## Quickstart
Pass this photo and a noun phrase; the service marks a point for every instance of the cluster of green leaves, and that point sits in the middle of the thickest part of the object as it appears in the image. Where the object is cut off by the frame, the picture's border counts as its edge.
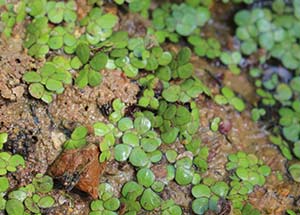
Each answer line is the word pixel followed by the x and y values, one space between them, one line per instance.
pixel 239 1
pixel 273 90
pixel 175 121
pixel 134 54
pixel 8 162
pixel 181 68
pixel 37 36
pixel 210 48
pixel 99 26
pixel 78 138
pixel 229 97
pixel 276 31
pixel 200 154
pixel 137 6
pixel 88 76
pixel 143 194
pixel 49 79
pixel 14 13
pixel 214 125
pixel 290 121
pixel 62 38
pixel 249 171
pixel 107 203
pixel 257 113
pixel 113 130
pixel 291 212
pixel 207 195
pixel 169 207
pixel 40 38
pixel 294 170
pixel 283 146
pixel 139 143
pixel 231 59
pixel 30 199
pixel 184 171
pixel 173 20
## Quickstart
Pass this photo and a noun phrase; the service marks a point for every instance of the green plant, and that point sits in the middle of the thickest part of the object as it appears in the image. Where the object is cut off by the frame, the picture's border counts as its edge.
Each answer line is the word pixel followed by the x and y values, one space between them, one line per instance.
pixel 138 144
pixel 207 195
pixel 273 30
pixel 88 76
pixel 169 207
pixel 249 171
pixel 13 14
pixel 3 139
pixel 98 25
pixel 148 99
pixel 78 138
pixel 210 48
pixel 239 1
pixel 32 198
pixel 257 113
pixel 295 171
pixel 10 163
pixel 290 121
pixel 112 130
pixel 106 204
pixel 37 35
pixel 134 196
pixel 183 18
pixel 214 125
pixel 49 80
pixel 231 59
pixel 229 97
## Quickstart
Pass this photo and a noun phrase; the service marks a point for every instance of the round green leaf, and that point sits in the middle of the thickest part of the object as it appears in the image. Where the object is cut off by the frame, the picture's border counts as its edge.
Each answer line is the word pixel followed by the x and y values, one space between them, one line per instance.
pixel 200 206
pixel 79 133
pixel 32 77
pixel 36 90
pixel 295 171
pixel 53 85
pixel 125 124
pixel 150 200
pixel 112 204
pixel 99 61
pixel 201 190
pixel 46 202
pixel 4 184
pixel 183 176
pixel 142 124
pixel 83 52
pixel 122 152
pixel 14 207
pixel 145 177
pixel 138 157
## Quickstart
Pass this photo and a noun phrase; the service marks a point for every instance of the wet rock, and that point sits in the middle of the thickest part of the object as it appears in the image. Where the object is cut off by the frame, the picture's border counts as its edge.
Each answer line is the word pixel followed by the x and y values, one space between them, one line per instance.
pixel 79 168
pixel 13 64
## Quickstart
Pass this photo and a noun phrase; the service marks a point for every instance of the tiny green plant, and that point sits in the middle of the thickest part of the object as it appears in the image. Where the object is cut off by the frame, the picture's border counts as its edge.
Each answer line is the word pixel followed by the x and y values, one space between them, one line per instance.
pixel 49 80
pixel 78 138
pixel 107 203
pixel 229 97
pixel 249 172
